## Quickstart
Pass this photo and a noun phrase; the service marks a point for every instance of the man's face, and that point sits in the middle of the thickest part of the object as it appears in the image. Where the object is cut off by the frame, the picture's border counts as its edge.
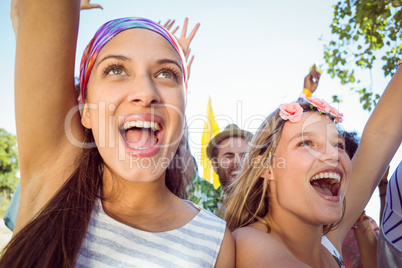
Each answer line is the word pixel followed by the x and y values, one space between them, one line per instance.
pixel 229 158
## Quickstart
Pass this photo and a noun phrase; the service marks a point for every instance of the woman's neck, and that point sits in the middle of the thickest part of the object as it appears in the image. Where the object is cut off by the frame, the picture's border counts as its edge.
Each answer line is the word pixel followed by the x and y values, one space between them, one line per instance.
pixel 301 239
pixel 148 206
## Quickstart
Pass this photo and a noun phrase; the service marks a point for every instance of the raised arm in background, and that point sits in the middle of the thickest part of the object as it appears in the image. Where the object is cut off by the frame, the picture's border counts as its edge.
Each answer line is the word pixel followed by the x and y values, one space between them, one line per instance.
pixel 310 84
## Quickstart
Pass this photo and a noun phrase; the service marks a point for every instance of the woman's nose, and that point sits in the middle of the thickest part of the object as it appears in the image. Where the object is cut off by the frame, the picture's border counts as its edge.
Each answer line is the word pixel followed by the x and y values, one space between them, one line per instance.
pixel 143 91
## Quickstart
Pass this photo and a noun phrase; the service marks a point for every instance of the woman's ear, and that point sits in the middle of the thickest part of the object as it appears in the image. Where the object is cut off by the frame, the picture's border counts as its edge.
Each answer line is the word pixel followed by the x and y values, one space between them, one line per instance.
pixel 86 118
pixel 266 169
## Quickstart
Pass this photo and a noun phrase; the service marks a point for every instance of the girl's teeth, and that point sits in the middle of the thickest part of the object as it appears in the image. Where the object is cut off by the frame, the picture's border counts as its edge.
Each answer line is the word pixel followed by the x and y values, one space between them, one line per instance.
pixel 334 176
pixel 140 124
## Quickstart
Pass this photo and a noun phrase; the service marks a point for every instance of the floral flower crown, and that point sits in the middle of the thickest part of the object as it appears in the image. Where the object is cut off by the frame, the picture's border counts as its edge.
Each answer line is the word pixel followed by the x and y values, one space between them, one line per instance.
pixel 293 111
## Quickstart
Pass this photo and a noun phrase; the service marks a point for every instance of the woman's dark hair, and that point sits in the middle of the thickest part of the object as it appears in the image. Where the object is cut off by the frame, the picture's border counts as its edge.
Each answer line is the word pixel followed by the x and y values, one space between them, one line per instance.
pixel 54 237
pixel 351 142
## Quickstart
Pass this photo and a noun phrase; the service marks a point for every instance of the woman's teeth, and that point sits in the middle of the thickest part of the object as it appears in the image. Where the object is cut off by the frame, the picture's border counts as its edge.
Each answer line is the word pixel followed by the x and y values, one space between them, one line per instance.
pixel 142 124
pixel 331 175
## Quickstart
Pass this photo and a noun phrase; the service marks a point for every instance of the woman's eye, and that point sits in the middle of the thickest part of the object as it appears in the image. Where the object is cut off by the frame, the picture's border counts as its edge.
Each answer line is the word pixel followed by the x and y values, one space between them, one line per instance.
pixel 165 75
pixel 114 70
pixel 168 73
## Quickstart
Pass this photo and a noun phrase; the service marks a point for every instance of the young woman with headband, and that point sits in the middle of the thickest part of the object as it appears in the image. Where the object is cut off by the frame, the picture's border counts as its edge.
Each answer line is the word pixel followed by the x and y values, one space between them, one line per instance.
pixel 105 188
pixel 299 193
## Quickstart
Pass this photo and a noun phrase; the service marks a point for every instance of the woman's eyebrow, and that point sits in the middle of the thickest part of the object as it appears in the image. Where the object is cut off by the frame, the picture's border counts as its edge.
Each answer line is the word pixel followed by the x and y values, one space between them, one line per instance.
pixel 118 57
pixel 164 61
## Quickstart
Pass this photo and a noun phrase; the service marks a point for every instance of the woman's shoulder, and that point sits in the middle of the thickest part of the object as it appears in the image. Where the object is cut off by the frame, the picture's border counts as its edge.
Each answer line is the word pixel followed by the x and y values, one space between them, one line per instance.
pixel 212 226
pixel 255 247
pixel 205 217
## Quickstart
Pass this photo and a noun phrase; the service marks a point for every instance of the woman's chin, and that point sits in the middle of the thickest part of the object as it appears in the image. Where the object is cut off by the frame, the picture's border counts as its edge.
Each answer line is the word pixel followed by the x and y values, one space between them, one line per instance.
pixel 139 175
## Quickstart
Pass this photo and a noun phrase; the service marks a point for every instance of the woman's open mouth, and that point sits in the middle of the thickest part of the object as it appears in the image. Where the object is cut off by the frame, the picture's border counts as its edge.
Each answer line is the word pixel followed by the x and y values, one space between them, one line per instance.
pixel 140 134
pixel 141 137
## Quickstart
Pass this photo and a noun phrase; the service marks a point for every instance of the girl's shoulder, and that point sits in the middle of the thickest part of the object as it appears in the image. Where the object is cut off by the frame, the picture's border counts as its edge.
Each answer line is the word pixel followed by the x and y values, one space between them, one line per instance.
pixel 255 247
pixel 254 238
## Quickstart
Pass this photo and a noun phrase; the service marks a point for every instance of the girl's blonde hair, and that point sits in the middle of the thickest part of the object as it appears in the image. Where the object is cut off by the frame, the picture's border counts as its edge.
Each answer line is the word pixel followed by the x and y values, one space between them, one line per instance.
pixel 248 198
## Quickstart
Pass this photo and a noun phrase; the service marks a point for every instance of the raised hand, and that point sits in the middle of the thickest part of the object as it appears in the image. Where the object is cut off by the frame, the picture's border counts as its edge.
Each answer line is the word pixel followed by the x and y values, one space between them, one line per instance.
pixel 184 41
pixel 312 79
pixel 168 25
pixel 86 5
pixel 189 63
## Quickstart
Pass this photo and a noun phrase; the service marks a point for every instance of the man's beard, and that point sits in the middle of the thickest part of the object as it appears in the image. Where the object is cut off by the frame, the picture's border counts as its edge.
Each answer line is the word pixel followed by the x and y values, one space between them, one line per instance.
pixel 225 177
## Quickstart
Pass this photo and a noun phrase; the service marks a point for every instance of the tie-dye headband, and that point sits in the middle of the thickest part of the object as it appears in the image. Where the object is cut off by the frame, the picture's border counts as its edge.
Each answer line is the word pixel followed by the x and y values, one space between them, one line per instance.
pixel 109 30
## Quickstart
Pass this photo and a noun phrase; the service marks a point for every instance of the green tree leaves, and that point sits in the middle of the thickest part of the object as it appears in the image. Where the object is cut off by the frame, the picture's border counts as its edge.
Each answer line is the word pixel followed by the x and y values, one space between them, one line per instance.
pixel 364 29
pixel 8 162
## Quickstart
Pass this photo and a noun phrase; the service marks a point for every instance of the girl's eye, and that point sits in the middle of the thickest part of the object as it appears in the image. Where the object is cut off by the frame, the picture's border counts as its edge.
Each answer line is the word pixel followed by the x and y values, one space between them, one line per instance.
pixel 340 145
pixel 304 143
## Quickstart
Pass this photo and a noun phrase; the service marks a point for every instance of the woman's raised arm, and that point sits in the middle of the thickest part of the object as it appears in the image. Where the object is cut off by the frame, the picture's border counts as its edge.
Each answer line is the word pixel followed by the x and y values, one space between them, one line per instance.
pixel 380 140
pixel 44 94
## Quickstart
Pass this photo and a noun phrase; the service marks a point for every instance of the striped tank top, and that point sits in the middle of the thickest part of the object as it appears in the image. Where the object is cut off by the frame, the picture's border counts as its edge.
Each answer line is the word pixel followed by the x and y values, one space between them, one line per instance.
pixel 109 243
pixel 389 245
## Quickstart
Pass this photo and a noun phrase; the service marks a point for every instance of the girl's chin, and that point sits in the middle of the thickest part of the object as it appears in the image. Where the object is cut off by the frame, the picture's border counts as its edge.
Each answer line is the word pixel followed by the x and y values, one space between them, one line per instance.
pixel 331 218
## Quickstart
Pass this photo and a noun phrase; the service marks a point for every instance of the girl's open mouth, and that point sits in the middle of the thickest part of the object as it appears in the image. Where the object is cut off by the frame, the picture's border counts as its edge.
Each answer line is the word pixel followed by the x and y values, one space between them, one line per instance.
pixel 327 184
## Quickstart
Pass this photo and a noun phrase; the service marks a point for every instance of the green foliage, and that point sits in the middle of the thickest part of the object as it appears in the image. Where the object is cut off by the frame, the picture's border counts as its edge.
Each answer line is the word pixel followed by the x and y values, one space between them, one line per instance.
pixel 4 202
pixel 8 162
pixel 363 29
pixel 335 99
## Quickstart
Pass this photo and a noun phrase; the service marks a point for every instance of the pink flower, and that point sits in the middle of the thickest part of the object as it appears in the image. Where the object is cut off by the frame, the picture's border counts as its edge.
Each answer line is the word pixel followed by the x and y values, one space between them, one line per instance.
pixel 321 105
pixel 291 111
pixel 335 113
pixel 324 107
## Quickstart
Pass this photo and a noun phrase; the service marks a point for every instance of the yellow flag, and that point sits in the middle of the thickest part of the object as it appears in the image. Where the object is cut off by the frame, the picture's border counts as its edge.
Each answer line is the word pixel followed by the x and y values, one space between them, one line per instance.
pixel 210 130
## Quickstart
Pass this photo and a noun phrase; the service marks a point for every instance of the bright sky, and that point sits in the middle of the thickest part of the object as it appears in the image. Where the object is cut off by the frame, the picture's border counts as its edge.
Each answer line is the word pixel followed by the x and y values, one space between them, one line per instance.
pixel 250 56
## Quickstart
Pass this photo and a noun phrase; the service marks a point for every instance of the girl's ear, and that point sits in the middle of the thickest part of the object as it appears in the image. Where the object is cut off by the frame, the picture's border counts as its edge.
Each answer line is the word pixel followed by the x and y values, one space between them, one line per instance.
pixel 86 118
pixel 266 169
